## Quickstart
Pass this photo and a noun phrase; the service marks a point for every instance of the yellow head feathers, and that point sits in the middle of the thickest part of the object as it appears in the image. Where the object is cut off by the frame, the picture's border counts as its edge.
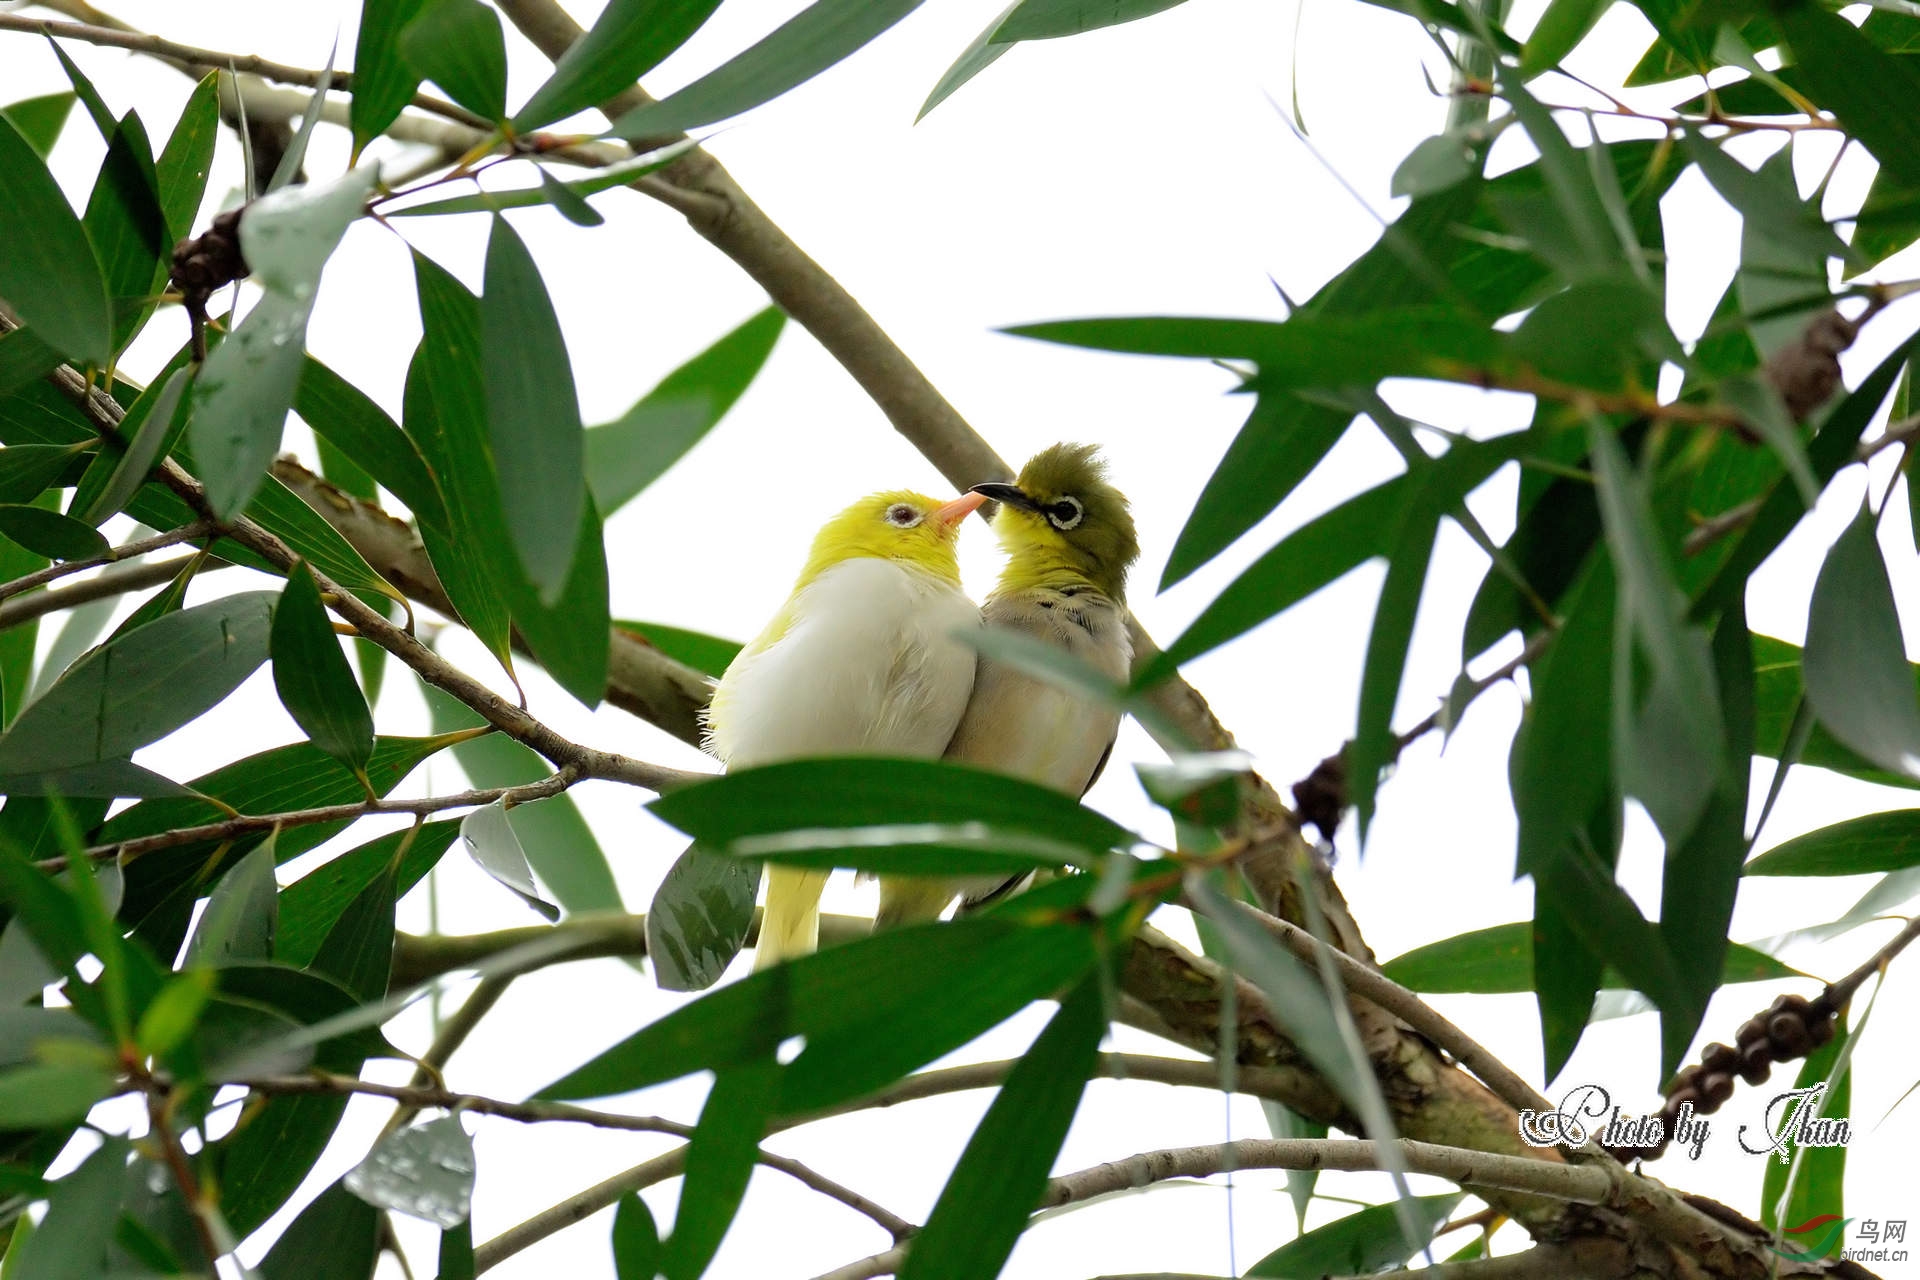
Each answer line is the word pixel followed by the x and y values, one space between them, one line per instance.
pixel 1061 521
pixel 898 525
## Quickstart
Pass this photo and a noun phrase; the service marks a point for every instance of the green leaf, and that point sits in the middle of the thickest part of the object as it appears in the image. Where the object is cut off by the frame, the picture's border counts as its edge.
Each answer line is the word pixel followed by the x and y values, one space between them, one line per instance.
pixel 180 175
pixel 571 637
pixel 290 169
pixel 627 40
pixel 49 273
pixel 1784 247
pixel 1761 200
pixel 1889 219
pixel 1499 959
pixel 153 422
pixel 625 456
pixel 459 46
pixel 709 655
pixel 358 950
pixel 1876 842
pixel 819 36
pixel 311 906
pixel 40 120
pixel 492 202
pixel 50 534
pixel 24 360
pixel 573 208
pixel 1875 96
pixel 1437 163
pixel 1857 676
pixel 241 913
pixel 46 1095
pixel 636 1241
pixel 1598 333
pixel 337 1237
pixel 1562 27
pixel 383 80
pixel 241 398
pixel 1572 229
pixel 1819 1180
pixel 1760 406
pixel 456 1253
pixel 425 1171
pixel 71 1241
pixel 126 226
pixel 980 54
pixel 987 1202
pixel 490 839
pixel 699 918
pixel 855 792
pixel 310 673
pixel 27 469
pixel 558 842
pixel 346 417
pixel 142 686
pixel 720 1158
pixel 1050 19
pixel 869 1010
pixel 533 417
pixel 1357 1244
pixel 174 1013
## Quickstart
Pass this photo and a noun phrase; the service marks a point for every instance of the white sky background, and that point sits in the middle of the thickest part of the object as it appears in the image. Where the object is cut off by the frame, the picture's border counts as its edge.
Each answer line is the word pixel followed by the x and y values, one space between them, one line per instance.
pixel 1137 170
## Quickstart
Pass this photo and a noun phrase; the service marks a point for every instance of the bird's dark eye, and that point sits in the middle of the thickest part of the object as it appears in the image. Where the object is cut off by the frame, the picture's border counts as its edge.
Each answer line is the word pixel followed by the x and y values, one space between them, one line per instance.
pixel 902 516
pixel 1065 514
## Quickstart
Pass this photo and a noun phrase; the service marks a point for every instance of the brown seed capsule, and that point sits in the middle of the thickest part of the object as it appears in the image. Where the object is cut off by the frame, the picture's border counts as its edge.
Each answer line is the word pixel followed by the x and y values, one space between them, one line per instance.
pixel 1756 1061
pixel 1679 1097
pixel 1718 1057
pixel 1788 1033
pixel 1715 1088
pixel 1753 1031
pixel 1821 1029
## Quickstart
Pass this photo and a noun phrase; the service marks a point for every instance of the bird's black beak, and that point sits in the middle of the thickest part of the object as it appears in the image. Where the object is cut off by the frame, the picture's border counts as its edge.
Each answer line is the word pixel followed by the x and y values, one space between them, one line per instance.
pixel 1011 494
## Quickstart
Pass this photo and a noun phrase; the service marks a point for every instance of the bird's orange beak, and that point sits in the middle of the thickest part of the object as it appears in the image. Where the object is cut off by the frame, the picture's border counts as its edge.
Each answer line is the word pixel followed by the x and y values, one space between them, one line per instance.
pixel 959 509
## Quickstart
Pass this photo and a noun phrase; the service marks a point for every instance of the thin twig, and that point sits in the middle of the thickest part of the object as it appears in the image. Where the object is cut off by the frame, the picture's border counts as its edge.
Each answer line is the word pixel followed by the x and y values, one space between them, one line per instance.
pixel 253 824
pixel 125 551
pixel 1838 993
pixel 214 60
pixel 115 581
pixel 453 1033
pixel 175 1158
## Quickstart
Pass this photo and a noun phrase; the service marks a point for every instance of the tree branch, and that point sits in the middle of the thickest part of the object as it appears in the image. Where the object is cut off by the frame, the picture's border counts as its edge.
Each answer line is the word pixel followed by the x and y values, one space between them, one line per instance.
pixel 114 581
pixel 125 551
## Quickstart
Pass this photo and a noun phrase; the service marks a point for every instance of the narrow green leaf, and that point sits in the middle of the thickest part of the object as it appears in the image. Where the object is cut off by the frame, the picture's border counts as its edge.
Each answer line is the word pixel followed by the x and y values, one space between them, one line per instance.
pixel 1762 409
pixel 291 168
pixel 1578 238
pixel 558 843
pixel 24 360
pixel 71 1241
pixel 141 687
pixel 709 655
pixel 1499 960
pixel 456 1253
pixel 625 456
pixel 173 1014
pixel 311 906
pixel 869 1010
pixel 425 1171
pixel 627 40
pixel 573 208
pixel 45 1095
pixel 490 839
pixel 1876 842
pixel 358 950
pixel 819 36
pixel 1439 162
pixel 337 1237
pixel 126 226
pixel 1889 219
pixel 1356 1245
pixel 993 1191
pixel 1780 214
pixel 720 1159
pixel 1784 247
pixel 1562 27
pixel 49 273
pixel 636 1241
pixel 459 46
pixel 241 398
pixel 492 202
pixel 571 637
pixel 40 120
pixel 50 534
pixel 533 416
pixel 155 418
pixel 1598 333
pixel 346 417
pixel 241 913
pixel 27 469
pixel 1856 670
pixel 180 174
pixel 982 52
pixel 383 80
pixel 90 98
pixel 1875 96
pixel 854 792
pixel 310 673
pixel 1819 1180
pixel 699 918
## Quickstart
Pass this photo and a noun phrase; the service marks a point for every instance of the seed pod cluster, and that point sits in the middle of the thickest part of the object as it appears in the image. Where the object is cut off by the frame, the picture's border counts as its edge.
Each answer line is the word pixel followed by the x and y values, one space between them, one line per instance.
pixel 1791 1027
pixel 204 264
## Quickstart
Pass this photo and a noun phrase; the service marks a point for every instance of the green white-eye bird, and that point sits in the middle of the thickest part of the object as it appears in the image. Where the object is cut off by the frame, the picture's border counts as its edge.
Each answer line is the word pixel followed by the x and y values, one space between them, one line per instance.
pixel 1069 540
pixel 862 659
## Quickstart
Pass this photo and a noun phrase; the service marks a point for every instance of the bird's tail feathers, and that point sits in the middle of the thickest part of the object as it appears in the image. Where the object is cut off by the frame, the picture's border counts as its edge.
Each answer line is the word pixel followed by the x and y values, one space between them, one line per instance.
pixel 790 926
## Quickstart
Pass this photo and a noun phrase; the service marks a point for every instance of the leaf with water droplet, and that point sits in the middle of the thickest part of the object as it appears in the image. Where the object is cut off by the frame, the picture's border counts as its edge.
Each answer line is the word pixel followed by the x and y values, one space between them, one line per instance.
pixel 490 839
pixel 699 918
pixel 426 1172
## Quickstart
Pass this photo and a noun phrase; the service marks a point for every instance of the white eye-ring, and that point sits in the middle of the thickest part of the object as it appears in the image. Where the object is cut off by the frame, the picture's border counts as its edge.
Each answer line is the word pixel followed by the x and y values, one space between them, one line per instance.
pixel 1065 514
pixel 902 516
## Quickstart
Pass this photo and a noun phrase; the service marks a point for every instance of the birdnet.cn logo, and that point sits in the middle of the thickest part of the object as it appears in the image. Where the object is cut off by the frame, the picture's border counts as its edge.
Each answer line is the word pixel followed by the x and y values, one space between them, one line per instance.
pixel 1824 1236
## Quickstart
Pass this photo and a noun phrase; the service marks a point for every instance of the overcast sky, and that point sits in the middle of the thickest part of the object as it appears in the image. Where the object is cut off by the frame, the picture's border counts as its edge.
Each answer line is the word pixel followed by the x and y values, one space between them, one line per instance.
pixel 1143 169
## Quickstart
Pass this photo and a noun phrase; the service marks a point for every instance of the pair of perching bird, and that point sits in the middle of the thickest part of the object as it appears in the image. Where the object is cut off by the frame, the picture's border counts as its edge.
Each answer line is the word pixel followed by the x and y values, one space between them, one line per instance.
pixel 864 658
